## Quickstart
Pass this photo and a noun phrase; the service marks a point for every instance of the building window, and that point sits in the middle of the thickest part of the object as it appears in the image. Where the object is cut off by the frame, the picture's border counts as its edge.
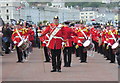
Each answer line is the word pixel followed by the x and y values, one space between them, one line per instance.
pixel 7 4
pixel 82 13
pixel 7 11
pixel 91 16
pixel 86 13
pixel 91 13
pixel 86 17
pixel 82 16
pixel 7 17
pixel 0 11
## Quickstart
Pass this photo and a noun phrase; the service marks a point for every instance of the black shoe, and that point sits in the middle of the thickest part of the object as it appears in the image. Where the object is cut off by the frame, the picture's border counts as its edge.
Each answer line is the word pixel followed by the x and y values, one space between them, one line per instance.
pixel 68 66
pixel 83 62
pixel 59 70
pixel 107 59
pixel 112 62
pixel 53 70
pixel 65 66
pixel 46 61
pixel 19 62
pixel 77 56
pixel 6 52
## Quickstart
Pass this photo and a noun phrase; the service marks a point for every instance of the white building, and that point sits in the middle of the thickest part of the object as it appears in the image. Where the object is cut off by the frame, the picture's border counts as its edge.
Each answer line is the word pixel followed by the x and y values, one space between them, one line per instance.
pixel 39 13
pixel 88 15
pixel 8 11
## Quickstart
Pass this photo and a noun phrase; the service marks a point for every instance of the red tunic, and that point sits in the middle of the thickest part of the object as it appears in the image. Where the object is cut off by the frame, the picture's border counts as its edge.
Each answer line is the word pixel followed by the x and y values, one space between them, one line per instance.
pixel 55 43
pixel 16 38
pixel 111 38
pixel 68 33
pixel 81 37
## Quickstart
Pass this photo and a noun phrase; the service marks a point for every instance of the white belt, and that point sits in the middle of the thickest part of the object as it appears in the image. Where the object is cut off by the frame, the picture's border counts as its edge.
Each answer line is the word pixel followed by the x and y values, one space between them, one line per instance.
pixel 58 37
pixel 16 36
pixel 81 37
pixel 111 38
pixel 46 40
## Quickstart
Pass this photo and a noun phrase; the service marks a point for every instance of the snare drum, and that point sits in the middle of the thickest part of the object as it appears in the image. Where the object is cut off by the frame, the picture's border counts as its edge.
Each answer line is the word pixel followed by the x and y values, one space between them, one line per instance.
pixel 24 45
pixel 115 45
pixel 88 44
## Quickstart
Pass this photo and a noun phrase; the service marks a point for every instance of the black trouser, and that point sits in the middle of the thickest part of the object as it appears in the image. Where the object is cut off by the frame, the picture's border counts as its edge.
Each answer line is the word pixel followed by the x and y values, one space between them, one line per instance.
pixel 46 53
pixel 118 56
pixel 107 52
pixel 73 48
pixel 36 42
pixel 56 58
pixel 77 52
pixel 82 53
pixel 111 54
pixel 100 49
pixel 96 46
pixel 25 54
pixel 19 54
pixel 7 45
pixel 104 50
pixel 67 56
pixel 118 59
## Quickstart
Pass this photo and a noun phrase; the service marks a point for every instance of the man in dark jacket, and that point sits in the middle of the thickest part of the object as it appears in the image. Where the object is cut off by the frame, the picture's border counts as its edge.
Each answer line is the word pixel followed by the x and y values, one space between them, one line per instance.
pixel 1 26
pixel 1 41
pixel 6 38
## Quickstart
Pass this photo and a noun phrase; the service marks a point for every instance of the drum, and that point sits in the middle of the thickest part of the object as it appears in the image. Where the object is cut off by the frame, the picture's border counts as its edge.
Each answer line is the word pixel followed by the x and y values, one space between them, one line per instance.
pixel 88 45
pixel 23 45
pixel 115 45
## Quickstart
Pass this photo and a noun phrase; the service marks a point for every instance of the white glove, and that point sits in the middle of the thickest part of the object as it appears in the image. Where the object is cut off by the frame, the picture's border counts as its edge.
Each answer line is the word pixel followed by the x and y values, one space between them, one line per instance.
pixel 89 38
pixel 109 44
pixel 44 42
pixel 15 42
pixel 63 43
pixel 39 34
pixel 105 42
pixel 79 41
pixel 25 40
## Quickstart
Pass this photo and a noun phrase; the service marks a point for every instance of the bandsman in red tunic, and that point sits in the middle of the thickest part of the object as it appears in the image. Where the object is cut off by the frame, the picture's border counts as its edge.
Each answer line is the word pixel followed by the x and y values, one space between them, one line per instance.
pixel 112 38
pixel 44 39
pixel 83 35
pixel 68 44
pixel 19 35
pixel 55 30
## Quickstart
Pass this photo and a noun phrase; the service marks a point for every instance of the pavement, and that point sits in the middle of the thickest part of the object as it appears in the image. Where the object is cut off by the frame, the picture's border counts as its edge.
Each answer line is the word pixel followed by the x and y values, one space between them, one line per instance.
pixel 97 69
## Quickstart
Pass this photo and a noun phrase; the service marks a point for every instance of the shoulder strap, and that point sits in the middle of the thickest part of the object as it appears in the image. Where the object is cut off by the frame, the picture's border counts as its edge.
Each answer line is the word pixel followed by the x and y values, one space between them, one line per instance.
pixel 18 34
pixel 113 35
pixel 84 34
pixel 53 34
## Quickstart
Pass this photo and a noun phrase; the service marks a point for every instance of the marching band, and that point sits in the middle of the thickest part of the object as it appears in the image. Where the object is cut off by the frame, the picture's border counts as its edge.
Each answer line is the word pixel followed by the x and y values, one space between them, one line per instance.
pixel 68 37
